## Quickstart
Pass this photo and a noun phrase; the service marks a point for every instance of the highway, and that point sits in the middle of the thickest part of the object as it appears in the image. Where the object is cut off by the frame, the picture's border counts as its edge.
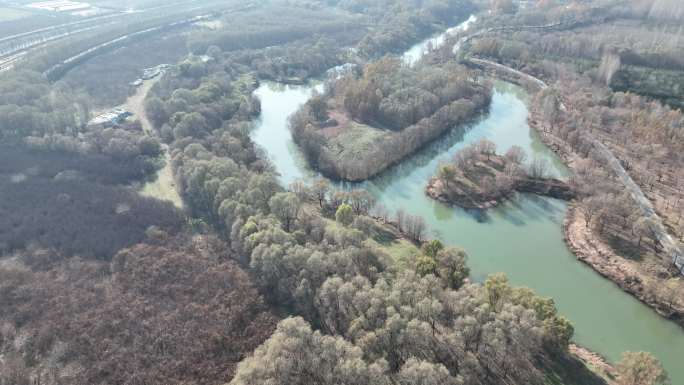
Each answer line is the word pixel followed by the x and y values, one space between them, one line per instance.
pixel 15 47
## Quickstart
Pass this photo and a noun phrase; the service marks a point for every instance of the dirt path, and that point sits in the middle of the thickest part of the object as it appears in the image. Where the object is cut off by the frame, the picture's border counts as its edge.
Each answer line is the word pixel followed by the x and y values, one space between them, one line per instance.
pixel 164 186
pixel 136 105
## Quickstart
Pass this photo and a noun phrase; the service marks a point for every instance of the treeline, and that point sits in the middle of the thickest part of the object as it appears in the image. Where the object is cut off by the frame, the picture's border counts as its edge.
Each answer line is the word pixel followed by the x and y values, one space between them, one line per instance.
pixel 404 107
pixel 294 62
pixel 373 28
pixel 616 43
pixel 198 98
pixel 53 118
pixel 31 106
pixel 402 23
pixel 23 160
pixel 307 249
pixel 170 310
pixel 276 24
pixel 107 78
pixel 392 95
pixel 592 43
pixel 646 138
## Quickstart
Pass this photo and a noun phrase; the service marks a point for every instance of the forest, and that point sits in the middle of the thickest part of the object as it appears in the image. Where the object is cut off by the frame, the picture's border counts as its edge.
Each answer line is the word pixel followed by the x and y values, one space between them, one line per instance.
pixel 255 282
pixel 616 49
pixel 363 123
pixel 583 107
pixel 308 249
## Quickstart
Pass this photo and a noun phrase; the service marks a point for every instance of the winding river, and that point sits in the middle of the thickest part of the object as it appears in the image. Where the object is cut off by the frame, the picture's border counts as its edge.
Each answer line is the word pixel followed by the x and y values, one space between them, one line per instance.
pixel 522 238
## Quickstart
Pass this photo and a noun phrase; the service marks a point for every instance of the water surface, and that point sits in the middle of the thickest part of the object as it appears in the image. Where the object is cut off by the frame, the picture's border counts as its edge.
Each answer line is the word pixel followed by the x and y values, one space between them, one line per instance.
pixel 522 238
pixel 415 53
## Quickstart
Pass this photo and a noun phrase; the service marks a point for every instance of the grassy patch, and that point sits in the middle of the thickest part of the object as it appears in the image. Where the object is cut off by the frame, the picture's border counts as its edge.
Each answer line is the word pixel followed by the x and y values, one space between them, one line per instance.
pixel 355 141
pixel 389 241
pixel 386 240
pixel 400 250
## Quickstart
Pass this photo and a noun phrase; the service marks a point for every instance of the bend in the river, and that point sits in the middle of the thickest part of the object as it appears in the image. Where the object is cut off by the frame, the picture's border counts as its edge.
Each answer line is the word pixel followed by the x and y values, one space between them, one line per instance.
pixel 522 238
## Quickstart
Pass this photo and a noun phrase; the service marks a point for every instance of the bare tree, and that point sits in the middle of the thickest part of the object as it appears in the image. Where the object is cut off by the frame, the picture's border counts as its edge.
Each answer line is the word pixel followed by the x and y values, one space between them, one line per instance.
pixel 516 154
pixel 320 189
pixel 486 147
pixel 539 168
pixel 381 212
pixel 447 172
pixel 401 217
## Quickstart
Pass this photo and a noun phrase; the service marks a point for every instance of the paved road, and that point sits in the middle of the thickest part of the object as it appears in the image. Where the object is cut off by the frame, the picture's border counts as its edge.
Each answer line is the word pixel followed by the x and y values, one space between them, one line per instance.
pixel 14 47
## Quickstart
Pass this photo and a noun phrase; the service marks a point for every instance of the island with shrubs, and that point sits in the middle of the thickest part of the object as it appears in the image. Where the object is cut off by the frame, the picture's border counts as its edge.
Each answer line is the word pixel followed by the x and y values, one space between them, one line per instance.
pixel 479 178
pixel 369 119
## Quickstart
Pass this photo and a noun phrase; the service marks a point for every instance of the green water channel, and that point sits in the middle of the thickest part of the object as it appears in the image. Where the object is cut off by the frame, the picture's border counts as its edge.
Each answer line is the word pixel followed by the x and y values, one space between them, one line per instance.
pixel 522 238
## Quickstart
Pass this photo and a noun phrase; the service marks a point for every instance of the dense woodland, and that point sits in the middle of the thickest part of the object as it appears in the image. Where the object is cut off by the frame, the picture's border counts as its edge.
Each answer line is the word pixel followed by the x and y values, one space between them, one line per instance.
pixel 254 282
pixel 365 122
pixel 633 48
pixel 171 310
pixel 307 249
pixel 582 106
pixel 644 135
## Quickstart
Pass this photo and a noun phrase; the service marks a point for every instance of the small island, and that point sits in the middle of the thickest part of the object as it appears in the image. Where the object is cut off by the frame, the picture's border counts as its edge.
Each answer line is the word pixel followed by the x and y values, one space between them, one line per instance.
pixel 479 178
pixel 369 119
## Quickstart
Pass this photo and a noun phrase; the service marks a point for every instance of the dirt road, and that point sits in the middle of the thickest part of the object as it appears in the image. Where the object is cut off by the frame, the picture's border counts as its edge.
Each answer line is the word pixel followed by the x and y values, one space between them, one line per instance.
pixel 164 186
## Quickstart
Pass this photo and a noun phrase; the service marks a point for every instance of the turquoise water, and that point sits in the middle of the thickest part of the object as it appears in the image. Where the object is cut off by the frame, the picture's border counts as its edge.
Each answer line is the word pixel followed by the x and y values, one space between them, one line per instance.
pixel 522 238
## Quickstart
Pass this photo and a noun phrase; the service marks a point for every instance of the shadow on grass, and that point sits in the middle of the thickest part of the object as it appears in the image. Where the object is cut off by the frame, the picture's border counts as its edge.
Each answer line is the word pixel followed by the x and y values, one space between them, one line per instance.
pixel 383 236
pixel 626 248
pixel 569 370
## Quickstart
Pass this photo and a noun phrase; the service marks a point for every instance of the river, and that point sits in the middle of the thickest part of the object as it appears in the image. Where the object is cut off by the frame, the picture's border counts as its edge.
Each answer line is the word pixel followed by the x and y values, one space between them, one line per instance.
pixel 522 238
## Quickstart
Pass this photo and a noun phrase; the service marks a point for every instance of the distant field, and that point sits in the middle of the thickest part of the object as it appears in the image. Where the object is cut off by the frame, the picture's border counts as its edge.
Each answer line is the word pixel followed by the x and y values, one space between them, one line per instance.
pixel 10 14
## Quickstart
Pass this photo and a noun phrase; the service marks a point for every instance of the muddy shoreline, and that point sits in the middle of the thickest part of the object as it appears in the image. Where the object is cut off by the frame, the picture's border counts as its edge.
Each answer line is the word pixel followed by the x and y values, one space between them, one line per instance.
pixel 586 246
pixel 593 251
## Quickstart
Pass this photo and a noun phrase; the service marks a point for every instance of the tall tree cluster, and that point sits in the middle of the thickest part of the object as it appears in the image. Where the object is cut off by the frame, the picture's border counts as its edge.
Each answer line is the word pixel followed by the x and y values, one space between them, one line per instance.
pixel 357 319
pixel 645 136
pixel 405 107
pixel 31 106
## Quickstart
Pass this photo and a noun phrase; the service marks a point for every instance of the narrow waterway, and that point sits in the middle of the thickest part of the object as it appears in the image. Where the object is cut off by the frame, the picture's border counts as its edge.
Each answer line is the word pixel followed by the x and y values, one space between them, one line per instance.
pixel 415 53
pixel 522 238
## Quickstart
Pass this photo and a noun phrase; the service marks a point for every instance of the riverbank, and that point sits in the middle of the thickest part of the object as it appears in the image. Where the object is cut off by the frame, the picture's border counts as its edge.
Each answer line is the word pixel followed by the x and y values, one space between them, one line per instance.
pixel 640 282
pixel 594 362
pixel 627 274
pixel 646 285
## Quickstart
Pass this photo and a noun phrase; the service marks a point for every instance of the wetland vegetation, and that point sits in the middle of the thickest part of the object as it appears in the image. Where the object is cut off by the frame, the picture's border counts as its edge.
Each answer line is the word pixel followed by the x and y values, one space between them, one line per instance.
pixel 263 270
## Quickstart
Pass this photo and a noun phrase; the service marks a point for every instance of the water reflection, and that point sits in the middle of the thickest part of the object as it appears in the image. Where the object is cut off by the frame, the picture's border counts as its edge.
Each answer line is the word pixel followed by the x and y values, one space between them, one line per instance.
pixel 522 237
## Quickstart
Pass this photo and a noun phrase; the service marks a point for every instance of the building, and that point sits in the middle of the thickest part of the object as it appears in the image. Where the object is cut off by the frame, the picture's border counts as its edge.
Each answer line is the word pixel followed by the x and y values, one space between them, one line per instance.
pixel 153 72
pixel 110 119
